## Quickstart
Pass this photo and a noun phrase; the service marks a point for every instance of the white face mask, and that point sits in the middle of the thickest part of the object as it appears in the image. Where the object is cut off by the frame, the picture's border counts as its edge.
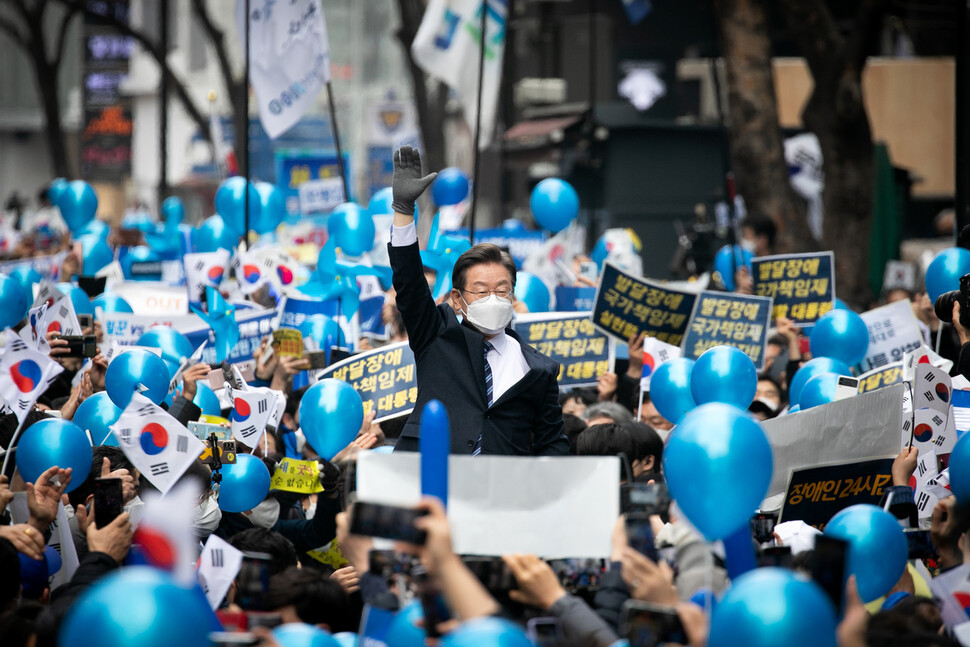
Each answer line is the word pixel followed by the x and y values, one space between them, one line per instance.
pixel 266 514
pixel 490 315
pixel 311 510
pixel 206 517
pixel 747 244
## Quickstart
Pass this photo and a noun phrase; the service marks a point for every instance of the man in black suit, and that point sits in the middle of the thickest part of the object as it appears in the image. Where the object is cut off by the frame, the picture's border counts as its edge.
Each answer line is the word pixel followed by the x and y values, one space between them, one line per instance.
pixel 502 395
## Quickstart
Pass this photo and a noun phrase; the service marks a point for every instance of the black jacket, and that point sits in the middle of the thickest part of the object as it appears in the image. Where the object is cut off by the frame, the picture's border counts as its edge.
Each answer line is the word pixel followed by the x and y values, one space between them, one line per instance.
pixel 449 359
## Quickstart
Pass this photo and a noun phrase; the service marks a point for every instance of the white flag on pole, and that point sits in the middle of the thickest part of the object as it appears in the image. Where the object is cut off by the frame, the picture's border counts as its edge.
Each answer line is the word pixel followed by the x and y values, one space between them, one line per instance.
pixel 289 58
pixel 448 46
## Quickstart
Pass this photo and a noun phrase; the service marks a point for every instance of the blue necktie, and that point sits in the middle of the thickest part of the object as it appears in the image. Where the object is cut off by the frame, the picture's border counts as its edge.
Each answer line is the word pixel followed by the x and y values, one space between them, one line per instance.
pixel 488 391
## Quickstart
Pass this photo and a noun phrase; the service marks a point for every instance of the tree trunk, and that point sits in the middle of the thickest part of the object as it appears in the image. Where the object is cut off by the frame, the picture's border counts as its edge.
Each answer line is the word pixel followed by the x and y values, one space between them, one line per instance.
pixel 757 151
pixel 46 77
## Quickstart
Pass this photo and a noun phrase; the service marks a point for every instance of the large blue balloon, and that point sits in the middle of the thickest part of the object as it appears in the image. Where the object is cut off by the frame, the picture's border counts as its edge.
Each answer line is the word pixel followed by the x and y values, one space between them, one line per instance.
pixel 724 374
pixel 52 442
pixel 670 389
pixel 78 204
pixel 141 254
pixel 272 208
pixel 960 470
pixel 55 189
pixel 95 252
pixel 352 229
pixel 489 630
pixel 817 391
pixel 173 213
pixel 136 367
pixel 98 228
pixel 718 467
pixel 231 204
pixel 212 235
pixel 110 302
pixel 27 277
pixel 877 547
pixel 810 369
pixel 175 346
pixel 772 606
pixel 725 263
pixel 138 605
pixel 207 400
pixel 96 415
pixel 323 330
pixel 554 204
pixel 13 302
pixel 244 484
pixel 450 187
pixel 841 335
pixel 298 634
pixel 945 270
pixel 331 413
pixel 404 630
pixel 532 291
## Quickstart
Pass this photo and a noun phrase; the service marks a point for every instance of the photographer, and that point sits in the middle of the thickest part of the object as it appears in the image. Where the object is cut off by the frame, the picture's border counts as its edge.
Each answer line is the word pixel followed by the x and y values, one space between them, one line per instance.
pixel 961 363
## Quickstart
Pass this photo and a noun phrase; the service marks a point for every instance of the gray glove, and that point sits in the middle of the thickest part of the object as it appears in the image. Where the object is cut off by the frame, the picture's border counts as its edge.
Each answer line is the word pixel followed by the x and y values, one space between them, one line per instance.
pixel 407 184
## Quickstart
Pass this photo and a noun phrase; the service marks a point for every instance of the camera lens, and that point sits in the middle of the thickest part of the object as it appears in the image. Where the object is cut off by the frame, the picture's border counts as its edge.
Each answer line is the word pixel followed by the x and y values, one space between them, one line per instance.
pixel 944 305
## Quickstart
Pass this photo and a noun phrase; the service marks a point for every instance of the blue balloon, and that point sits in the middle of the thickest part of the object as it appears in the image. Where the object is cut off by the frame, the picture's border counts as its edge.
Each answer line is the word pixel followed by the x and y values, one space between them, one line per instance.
pixel 52 442
pixel 298 634
pixel 132 368
pixel 810 369
pixel 110 302
pixel 554 204
pixel 945 270
pixel 435 445
pixel 95 252
pixel 532 291
pixel 174 345
pixel 352 229
pixel 55 189
pixel 346 639
pixel 231 204
pixel 511 224
pixel 718 467
pixel 450 187
pixel 207 400
pixel 724 374
pixel 173 213
pixel 244 484
pixel 213 234
pixel 380 202
pixel 842 335
pixel 140 254
pixel 323 330
pixel 27 277
pixel 78 204
pixel 138 605
pixel 840 305
pixel 725 263
pixel 331 414
pixel 96 415
pixel 489 630
pixel 670 389
pixel 404 630
pixel 877 547
pixel 818 390
pixel 960 470
pixel 772 606
pixel 13 302
pixel 272 208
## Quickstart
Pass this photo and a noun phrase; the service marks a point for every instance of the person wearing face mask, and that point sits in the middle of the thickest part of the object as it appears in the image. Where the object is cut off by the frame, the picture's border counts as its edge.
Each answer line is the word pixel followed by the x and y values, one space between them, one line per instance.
pixel 502 395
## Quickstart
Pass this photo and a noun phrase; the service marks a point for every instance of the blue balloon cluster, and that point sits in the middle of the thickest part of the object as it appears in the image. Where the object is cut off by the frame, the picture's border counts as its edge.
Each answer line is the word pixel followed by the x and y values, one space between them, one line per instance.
pixel 554 204
pixel 724 374
pixel 331 413
pixel 841 335
pixel 244 484
pixel 51 442
pixel 212 235
pixel 877 547
pixel 811 368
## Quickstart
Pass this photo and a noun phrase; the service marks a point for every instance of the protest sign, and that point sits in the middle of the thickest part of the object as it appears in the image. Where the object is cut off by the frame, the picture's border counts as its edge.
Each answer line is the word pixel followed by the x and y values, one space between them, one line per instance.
pixel 292 475
pixel 253 326
pixel 893 332
pixel 125 328
pixel 880 378
pixel 816 494
pixel 726 319
pixel 626 305
pixel 571 501
pixel 321 196
pixel 802 285
pixel 295 310
pixel 384 378
pixel 575 298
pixel 961 410
pixel 584 353
pixel 148 298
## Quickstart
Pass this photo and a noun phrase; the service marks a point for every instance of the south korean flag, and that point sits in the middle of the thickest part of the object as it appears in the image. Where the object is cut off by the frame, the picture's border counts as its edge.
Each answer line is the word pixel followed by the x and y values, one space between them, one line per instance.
pixel 25 373
pixel 251 411
pixel 204 270
pixel 155 442
pixel 218 566
pixel 252 270
pixel 59 318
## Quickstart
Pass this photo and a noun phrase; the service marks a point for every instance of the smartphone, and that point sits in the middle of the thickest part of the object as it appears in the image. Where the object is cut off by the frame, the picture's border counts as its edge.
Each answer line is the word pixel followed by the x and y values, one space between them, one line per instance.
pixel 432 605
pixel 645 624
pixel 217 379
pixel 645 498
pixel 80 345
pixel 318 358
pixel 252 582
pixel 828 567
pixel 779 556
pixel 780 364
pixel 86 321
pixel 588 269
pixel 233 638
pixel 493 573
pixel 763 526
pixel 108 501
pixel 639 534
pixel 544 632
pixel 390 522
pixel 920 544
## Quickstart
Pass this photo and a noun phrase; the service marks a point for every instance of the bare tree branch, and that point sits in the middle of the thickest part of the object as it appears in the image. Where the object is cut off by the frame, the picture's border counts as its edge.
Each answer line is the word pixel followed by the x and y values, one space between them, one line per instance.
pixel 15 34
pixel 62 36
pixel 218 39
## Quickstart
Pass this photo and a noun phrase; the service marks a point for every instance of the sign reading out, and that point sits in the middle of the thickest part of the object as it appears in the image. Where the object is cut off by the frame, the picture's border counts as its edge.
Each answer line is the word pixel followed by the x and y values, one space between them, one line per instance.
pixel 725 319
pixel 627 305
pixel 584 353
pixel 802 285
pixel 816 494
pixel 384 378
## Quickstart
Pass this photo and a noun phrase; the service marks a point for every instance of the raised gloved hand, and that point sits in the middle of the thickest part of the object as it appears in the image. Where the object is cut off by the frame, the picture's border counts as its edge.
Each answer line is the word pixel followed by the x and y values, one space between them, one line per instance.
pixel 407 184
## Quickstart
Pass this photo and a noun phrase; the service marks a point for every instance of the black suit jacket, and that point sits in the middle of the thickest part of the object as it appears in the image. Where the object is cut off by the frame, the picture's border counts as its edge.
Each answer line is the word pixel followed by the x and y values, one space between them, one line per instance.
pixel 450 364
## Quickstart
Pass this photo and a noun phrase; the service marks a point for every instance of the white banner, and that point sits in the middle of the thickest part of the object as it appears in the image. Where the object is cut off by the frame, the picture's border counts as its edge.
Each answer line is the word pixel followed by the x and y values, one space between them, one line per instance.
pixel 124 328
pixel 289 58
pixel 150 298
pixel 893 332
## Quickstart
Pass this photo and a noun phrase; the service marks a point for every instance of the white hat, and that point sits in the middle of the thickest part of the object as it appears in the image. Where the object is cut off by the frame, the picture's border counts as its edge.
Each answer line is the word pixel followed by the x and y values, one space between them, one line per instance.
pixel 798 535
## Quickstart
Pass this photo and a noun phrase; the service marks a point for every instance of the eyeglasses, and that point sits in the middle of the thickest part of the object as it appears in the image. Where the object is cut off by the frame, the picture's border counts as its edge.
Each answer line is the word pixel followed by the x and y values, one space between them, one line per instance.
pixel 502 294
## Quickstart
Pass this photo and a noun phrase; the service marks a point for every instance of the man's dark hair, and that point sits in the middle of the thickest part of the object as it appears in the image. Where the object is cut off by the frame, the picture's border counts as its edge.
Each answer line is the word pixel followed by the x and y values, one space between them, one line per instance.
pixel 9 575
pixel 605 440
pixel 118 461
pixel 762 225
pixel 572 426
pixel 9 422
pixel 316 598
pixel 646 442
pixel 478 255
pixel 261 540
pixel 778 340
pixel 915 621
pixel 293 401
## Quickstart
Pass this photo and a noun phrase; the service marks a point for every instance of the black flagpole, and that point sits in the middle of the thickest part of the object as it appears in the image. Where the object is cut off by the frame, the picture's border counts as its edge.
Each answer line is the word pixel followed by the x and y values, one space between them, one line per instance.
pixel 336 141
pixel 244 137
pixel 476 179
